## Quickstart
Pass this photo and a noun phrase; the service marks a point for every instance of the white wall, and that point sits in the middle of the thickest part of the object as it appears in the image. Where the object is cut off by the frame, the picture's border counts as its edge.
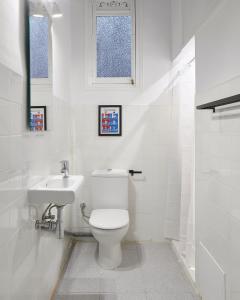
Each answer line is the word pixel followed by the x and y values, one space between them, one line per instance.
pixel 29 260
pixel 217 144
pixel 147 113
pixel 217 156
pixel 187 17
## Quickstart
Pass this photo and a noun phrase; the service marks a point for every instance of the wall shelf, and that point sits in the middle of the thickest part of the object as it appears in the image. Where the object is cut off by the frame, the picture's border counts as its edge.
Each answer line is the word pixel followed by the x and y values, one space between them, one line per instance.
pixel 225 101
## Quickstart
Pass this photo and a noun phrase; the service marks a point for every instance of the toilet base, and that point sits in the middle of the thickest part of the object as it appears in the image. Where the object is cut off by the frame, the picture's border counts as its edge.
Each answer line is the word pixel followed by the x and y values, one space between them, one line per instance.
pixel 109 256
pixel 109 246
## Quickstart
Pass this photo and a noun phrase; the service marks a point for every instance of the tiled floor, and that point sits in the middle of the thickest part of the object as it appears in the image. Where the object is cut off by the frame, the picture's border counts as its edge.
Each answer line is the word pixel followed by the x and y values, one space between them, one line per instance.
pixel 149 271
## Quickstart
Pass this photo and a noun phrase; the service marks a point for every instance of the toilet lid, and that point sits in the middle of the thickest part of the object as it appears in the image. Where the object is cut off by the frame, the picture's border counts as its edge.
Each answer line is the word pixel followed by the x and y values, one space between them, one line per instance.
pixel 109 218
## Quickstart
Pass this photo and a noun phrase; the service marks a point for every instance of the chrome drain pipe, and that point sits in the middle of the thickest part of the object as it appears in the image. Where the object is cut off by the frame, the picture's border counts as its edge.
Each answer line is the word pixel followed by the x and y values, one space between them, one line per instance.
pixel 85 217
pixel 46 225
pixel 48 221
pixel 60 226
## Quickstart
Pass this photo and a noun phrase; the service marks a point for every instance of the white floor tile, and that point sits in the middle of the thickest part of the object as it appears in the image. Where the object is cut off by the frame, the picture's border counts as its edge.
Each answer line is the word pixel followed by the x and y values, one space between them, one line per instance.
pixel 149 271
pixel 79 285
pixel 160 296
pixel 131 281
pixel 79 297
pixel 132 296
pixel 108 285
pixel 124 296
pixel 166 283
pixel 109 297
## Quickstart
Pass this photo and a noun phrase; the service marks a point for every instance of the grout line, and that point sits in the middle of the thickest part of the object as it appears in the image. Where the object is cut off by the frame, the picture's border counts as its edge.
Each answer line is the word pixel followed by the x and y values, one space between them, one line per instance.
pixel 11 135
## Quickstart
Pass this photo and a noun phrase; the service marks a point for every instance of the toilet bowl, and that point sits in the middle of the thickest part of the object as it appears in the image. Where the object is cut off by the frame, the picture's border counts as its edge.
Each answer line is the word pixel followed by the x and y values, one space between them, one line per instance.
pixel 109 226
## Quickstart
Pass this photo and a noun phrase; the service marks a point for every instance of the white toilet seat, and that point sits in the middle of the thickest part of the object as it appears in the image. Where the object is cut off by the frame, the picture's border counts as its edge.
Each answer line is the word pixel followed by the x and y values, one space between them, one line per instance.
pixel 107 219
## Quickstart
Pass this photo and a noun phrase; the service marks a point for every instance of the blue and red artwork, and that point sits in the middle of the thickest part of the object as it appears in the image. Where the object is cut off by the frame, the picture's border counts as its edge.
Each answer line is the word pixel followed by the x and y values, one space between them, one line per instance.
pixel 110 120
pixel 38 118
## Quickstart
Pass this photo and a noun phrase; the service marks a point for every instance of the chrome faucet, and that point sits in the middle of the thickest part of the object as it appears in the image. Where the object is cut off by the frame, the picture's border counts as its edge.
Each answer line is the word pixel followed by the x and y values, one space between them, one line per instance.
pixel 65 168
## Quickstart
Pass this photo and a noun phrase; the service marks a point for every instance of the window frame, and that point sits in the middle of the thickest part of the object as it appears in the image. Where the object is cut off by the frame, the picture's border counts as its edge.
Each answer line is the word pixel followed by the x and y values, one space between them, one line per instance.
pixel 113 80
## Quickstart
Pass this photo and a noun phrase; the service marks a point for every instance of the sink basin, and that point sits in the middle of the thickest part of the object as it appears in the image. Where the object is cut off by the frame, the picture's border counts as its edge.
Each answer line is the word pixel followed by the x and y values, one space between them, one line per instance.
pixel 56 189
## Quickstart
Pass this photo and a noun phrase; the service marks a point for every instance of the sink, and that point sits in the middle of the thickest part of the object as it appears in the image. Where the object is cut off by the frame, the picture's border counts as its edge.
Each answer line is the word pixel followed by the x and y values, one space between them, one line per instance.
pixel 56 189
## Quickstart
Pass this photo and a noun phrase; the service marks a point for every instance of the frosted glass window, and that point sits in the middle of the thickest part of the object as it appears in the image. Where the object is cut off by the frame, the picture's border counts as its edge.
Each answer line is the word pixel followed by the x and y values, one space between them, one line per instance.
pixel 39 47
pixel 114 43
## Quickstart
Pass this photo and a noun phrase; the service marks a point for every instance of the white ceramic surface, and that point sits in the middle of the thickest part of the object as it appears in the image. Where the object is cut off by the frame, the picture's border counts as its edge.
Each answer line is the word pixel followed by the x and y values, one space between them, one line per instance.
pixel 56 189
pixel 109 248
pixel 110 189
pixel 109 219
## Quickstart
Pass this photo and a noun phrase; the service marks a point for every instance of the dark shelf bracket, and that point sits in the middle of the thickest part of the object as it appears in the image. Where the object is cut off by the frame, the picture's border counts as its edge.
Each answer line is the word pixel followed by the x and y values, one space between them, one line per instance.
pixel 225 101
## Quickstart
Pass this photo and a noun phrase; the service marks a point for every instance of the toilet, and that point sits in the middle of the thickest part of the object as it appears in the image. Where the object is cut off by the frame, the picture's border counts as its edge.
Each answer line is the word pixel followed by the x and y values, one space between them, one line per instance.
pixel 109 220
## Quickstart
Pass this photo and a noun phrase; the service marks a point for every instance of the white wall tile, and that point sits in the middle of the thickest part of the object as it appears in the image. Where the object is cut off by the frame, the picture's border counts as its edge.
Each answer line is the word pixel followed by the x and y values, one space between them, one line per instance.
pixel 142 147
pixel 29 260
pixel 217 152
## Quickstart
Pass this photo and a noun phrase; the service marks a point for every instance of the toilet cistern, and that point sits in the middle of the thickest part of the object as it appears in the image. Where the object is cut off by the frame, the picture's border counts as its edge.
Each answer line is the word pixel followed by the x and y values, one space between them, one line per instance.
pixel 65 168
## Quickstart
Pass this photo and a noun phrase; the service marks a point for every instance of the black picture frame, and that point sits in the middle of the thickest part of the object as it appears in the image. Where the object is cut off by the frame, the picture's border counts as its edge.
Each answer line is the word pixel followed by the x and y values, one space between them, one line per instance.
pixel 117 109
pixel 31 125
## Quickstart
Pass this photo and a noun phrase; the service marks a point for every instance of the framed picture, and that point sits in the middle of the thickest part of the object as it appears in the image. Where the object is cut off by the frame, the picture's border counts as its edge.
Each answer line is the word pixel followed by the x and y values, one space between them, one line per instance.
pixel 38 118
pixel 109 120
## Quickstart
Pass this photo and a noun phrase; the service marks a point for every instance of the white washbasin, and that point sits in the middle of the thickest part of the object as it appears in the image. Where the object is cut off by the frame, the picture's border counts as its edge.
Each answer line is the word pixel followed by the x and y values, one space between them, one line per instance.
pixel 56 189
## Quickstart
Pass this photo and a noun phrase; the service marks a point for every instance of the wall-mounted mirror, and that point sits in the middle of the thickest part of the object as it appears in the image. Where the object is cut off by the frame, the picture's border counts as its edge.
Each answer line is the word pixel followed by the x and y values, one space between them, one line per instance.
pixel 39 43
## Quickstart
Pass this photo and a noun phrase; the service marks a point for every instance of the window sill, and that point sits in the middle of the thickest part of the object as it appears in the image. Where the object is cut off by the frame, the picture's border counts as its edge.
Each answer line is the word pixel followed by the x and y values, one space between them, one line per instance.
pixel 121 87
pixel 101 85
